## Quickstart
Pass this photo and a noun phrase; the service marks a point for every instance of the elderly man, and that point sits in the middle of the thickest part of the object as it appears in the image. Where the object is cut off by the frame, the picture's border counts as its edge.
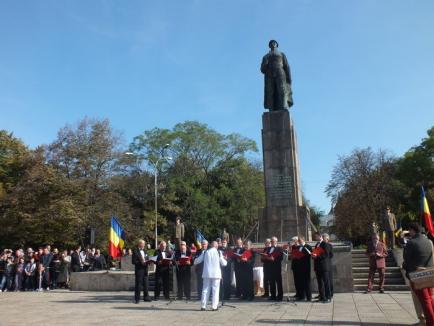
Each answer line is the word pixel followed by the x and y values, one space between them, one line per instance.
pixel 212 260
pixel 301 262
pixel 198 268
pixel 276 256
pixel 162 271
pixel 140 262
pixel 322 255
pixel 377 253
pixel 266 268
pixel 226 272
pixel 183 271
pixel 418 256
pixel 238 250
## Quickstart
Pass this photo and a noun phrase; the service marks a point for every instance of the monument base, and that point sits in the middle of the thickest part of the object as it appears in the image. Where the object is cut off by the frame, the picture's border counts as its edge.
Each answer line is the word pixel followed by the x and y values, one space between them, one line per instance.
pixel 284 222
pixel 285 215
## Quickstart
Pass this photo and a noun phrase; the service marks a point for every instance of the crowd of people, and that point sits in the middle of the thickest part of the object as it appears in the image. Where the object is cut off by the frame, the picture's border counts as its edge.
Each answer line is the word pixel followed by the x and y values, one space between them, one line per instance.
pixel 45 269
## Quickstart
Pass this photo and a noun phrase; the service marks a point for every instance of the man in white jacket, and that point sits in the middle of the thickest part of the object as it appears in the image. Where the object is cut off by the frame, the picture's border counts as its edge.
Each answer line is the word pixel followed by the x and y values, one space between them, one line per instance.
pixel 211 274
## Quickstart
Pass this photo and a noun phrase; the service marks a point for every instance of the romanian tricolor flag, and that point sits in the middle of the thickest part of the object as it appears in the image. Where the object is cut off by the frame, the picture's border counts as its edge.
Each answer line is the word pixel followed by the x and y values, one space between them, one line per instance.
pixel 117 238
pixel 426 214
pixel 199 238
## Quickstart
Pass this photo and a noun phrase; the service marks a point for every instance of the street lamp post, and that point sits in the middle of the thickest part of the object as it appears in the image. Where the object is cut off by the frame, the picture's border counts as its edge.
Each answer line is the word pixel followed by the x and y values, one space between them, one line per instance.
pixel 165 158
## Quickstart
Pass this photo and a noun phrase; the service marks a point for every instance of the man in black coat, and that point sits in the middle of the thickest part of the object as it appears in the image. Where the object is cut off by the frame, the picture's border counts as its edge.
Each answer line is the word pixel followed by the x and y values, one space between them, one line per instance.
pixel 162 272
pixel 140 262
pixel 247 261
pixel 327 239
pixel 76 263
pixel 225 294
pixel 198 269
pixel 276 257
pixel 418 254
pixel 183 261
pixel 44 267
pixel 238 250
pixel 266 268
pixel 301 269
pixel 322 266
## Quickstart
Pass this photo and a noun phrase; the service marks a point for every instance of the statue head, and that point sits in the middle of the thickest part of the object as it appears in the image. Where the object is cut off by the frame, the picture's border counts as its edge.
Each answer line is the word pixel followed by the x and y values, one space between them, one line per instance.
pixel 273 44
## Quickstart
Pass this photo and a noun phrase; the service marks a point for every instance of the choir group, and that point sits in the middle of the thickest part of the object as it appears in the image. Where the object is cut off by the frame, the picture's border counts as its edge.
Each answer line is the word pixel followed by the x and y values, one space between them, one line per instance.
pixel 232 269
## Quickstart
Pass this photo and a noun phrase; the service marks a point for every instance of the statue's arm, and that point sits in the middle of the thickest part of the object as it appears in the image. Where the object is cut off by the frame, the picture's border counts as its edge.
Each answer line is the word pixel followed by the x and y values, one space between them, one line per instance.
pixel 287 69
pixel 264 64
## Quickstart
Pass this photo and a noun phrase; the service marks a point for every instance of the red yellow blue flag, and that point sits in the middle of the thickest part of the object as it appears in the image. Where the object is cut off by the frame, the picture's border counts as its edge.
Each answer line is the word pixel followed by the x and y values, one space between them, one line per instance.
pixel 117 238
pixel 426 214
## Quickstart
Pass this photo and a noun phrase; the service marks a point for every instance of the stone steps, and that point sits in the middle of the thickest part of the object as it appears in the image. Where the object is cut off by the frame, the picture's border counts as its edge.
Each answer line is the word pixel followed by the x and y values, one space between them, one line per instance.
pixel 360 268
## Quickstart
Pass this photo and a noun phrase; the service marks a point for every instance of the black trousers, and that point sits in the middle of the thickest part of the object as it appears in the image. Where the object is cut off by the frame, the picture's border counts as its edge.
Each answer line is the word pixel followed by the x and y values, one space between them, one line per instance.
pixel 276 283
pixel 267 280
pixel 46 278
pixel 183 278
pixel 331 281
pixel 247 285
pixel 238 279
pixel 225 292
pixel 323 278
pixel 141 283
pixel 302 284
pixel 199 283
pixel 162 278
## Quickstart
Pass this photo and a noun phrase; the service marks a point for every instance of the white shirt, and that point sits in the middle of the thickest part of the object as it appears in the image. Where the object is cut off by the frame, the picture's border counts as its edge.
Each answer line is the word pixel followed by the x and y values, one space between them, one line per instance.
pixel 142 252
pixel 212 261
pixel 271 250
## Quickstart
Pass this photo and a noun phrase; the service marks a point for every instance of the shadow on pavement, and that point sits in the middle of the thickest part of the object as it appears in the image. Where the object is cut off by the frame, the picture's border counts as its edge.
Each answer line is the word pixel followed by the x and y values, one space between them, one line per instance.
pixel 315 322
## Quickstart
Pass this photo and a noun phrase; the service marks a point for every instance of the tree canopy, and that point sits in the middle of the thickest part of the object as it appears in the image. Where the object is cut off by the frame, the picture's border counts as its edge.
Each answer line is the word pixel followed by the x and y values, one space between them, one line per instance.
pixel 53 193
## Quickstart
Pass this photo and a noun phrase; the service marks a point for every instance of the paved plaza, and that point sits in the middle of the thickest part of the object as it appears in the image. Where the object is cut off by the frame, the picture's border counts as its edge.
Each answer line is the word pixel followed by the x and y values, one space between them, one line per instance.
pixel 63 307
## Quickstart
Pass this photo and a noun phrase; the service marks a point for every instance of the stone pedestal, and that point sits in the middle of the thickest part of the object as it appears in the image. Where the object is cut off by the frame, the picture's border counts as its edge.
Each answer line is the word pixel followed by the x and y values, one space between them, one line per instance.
pixel 284 215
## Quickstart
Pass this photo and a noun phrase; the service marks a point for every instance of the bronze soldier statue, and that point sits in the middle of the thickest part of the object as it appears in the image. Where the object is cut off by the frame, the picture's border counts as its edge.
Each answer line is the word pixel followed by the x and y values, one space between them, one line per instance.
pixel 277 77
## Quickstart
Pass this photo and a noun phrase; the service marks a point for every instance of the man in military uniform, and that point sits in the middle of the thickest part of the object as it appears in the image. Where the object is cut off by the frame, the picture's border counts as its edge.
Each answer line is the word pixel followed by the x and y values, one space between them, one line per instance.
pixel 277 79
pixel 390 227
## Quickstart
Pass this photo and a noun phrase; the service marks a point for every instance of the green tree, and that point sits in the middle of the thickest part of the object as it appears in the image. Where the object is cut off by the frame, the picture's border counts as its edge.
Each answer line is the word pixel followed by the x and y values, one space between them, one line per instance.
pixel 192 184
pixel 361 186
pixel 13 155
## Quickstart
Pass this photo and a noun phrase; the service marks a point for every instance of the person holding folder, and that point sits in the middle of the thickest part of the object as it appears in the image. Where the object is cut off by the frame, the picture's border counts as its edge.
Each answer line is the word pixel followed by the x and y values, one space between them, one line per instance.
pixel 140 262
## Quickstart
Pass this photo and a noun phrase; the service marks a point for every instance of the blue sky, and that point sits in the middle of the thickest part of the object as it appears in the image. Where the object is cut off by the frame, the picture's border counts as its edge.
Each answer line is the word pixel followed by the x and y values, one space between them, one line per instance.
pixel 363 71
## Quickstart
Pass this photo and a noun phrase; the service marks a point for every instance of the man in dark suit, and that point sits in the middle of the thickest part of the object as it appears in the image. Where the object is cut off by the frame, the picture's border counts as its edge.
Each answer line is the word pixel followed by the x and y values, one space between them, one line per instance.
pixel 238 250
pixel 162 272
pixel 418 254
pixel 266 268
pixel 321 266
pixel 301 269
pixel 139 260
pixel 247 261
pixel 183 270
pixel 44 267
pixel 327 239
pixel 226 285
pixel 76 263
pixel 198 269
pixel 276 256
